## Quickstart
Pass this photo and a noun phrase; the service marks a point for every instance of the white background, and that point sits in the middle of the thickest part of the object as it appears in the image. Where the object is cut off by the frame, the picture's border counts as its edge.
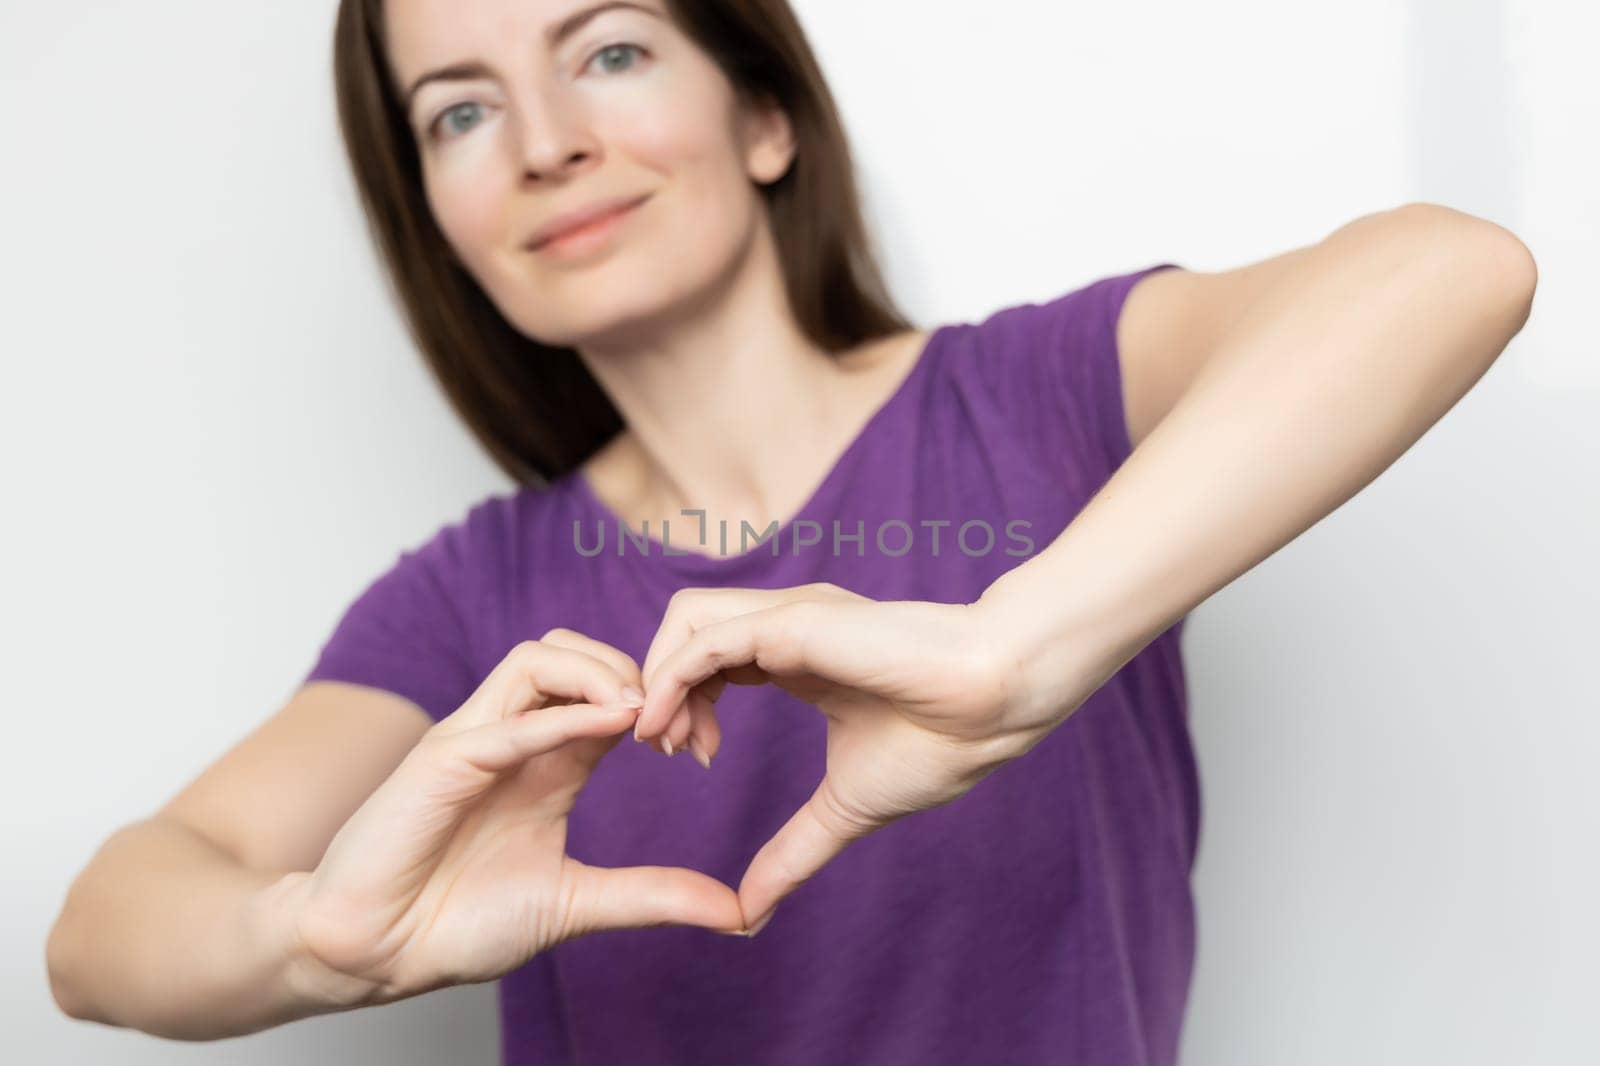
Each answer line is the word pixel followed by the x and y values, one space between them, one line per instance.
pixel 216 432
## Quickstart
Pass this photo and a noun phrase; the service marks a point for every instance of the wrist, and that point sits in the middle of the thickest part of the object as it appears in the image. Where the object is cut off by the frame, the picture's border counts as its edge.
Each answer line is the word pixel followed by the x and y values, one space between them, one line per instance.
pixel 304 979
pixel 1057 656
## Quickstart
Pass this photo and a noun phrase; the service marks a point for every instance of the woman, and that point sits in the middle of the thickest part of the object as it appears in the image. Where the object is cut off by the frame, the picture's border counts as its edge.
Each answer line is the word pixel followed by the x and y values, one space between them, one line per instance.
pixel 445 800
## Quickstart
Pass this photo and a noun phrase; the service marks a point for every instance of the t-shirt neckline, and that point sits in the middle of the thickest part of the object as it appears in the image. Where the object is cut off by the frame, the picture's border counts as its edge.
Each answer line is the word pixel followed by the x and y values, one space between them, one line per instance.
pixel 685 562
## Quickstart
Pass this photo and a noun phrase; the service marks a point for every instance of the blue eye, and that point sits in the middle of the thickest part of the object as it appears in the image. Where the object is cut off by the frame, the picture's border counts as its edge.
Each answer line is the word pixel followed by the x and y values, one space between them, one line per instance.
pixel 622 47
pixel 444 118
pixel 444 128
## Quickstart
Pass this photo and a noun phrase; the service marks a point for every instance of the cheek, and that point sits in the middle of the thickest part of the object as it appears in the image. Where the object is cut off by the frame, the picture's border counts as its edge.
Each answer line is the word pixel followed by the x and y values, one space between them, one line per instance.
pixel 468 214
pixel 709 193
pixel 675 122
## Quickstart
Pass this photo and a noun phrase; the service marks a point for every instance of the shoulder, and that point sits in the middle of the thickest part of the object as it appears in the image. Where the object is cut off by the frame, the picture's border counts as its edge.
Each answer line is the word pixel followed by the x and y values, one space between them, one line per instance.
pixel 1044 373
pixel 1071 337
pixel 482 539
pixel 1082 315
pixel 478 525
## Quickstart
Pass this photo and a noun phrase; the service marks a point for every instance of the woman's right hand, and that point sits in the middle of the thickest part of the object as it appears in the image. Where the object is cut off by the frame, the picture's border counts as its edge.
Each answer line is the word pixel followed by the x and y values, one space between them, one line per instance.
pixel 455 869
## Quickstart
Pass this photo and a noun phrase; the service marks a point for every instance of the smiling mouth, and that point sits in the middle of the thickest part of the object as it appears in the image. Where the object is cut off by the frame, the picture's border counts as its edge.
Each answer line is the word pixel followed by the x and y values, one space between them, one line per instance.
pixel 591 235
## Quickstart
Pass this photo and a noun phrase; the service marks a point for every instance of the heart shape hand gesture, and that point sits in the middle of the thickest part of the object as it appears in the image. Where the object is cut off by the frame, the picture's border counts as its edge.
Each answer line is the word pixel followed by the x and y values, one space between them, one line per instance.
pixel 921 704
pixel 455 869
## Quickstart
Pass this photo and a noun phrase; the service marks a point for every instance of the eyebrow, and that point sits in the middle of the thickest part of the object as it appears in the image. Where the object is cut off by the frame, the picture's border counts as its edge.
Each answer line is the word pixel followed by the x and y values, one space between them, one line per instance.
pixel 557 33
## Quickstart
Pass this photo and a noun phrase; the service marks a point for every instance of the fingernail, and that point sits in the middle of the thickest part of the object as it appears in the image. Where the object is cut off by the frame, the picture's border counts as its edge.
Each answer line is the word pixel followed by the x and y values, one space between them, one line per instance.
pixel 636 736
pixel 762 923
pixel 632 697
pixel 666 743
pixel 698 750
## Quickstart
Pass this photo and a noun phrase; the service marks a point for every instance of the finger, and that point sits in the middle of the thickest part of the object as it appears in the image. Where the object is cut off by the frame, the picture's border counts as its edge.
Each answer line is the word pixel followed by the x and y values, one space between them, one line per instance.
pixel 636 896
pixel 705 734
pixel 691 609
pixel 806 843
pixel 694 727
pixel 613 656
pixel 676 735
pixel 676 738
pixel 532 674
pixel 771 639
pixel 495 747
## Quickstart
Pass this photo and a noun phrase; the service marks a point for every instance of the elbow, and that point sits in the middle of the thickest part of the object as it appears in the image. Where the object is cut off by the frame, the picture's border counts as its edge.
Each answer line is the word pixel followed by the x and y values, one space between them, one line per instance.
pixel 1519 274
pixel 1506 269
pixel 1510 276
pixel 72 951
pixel 1490 261
pixel 59 961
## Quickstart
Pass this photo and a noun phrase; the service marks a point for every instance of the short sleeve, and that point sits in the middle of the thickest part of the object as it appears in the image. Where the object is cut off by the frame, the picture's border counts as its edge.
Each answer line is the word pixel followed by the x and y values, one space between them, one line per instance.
pixel 408 631
pixel 1055 368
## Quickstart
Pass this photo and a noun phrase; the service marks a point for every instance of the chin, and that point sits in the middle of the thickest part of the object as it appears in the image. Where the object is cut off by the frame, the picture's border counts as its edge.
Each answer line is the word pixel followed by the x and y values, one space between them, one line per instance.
pixel 617 324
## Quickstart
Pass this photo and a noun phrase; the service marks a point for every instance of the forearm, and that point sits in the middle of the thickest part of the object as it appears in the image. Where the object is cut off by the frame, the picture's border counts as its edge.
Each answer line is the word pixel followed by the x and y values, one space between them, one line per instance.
pixel 1337 369
pixel 166 933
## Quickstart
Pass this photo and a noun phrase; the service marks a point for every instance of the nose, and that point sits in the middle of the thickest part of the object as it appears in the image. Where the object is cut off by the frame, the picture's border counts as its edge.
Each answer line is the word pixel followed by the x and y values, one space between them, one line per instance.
pixel 553 135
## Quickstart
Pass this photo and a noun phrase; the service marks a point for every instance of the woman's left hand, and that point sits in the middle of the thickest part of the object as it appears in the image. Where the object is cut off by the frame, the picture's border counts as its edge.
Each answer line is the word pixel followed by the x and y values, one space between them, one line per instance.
pixel 921 706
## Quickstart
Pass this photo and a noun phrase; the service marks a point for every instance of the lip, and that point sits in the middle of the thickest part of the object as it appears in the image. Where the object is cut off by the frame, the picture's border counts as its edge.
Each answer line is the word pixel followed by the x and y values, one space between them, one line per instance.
pixel 578 221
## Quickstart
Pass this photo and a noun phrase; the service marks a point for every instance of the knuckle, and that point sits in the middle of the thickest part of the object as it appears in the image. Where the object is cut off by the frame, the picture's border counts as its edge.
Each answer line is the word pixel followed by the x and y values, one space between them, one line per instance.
pixel 839 819
pixel 442 767
pixel 832 591
pixel 800 612
pixel 526 653
pixel 682 601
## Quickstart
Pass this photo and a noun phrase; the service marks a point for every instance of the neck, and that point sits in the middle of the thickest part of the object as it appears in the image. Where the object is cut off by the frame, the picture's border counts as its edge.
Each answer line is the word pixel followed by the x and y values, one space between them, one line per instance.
pixel 731 410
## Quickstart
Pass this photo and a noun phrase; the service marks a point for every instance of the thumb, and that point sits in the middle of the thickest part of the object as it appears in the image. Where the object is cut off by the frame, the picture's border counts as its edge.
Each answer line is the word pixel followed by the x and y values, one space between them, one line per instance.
pixel 808 841
pixel 633 896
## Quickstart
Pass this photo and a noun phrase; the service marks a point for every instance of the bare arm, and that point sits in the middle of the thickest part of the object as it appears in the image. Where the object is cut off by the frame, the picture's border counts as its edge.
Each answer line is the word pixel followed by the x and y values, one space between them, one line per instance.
pixel 1335 366
pixel 180 924
pixel 350 853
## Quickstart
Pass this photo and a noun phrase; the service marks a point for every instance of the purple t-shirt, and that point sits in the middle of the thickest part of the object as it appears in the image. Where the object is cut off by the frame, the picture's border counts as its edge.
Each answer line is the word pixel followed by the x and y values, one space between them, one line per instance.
pixel 1045 917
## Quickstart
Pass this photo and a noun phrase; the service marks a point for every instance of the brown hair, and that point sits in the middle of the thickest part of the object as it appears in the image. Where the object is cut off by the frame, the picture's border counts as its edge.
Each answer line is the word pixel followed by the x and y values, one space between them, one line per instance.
pixel 534 407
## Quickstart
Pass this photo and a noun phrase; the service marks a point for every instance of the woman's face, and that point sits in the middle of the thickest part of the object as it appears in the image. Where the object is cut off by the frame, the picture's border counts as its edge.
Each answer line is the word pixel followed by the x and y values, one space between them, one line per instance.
pixel 563 104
